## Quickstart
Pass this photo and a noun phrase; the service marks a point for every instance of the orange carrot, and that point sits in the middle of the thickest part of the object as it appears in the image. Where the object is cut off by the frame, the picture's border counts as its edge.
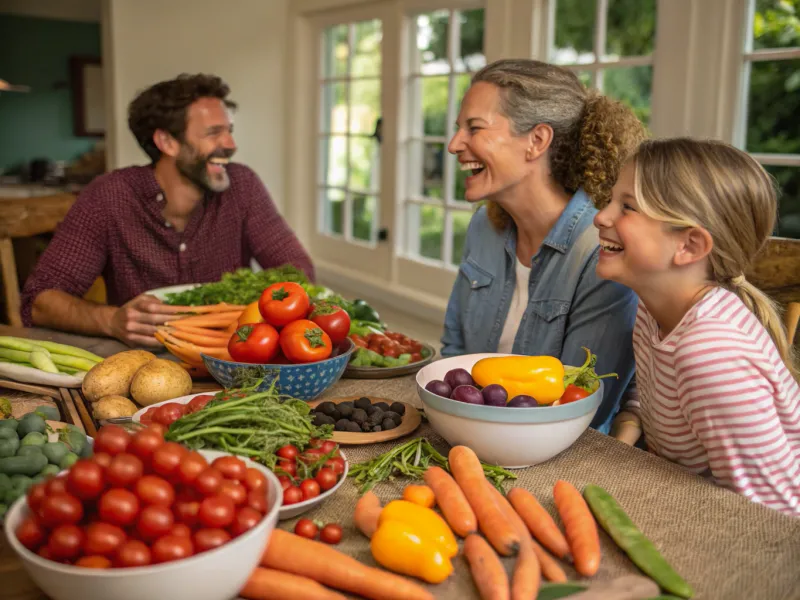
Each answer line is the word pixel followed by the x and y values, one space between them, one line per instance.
pixel 487 570
pixel 214 321
pixel 580 527
pixel 468 472
pixel 191 349
pixel 419 494
pixel 451 501
pixel 196 372
pixel 216 333
pixel 293 554
pixel 269 584
pixel 549 565
pixel 196 338
pixel 368 509
pixel 209 308
pixel 190 358
pixel 539 521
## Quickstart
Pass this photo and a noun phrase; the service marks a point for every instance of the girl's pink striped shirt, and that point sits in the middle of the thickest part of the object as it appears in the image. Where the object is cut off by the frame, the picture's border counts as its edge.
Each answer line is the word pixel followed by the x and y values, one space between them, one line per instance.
pixel 715 397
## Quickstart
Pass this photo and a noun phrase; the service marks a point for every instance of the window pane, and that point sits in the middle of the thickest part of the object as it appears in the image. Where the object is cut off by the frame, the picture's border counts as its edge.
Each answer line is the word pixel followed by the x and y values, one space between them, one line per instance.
pixel 364 164
pixel 459 223
pixel 776 24
pixel 433 170
pixel 773 107
pixel 364 217
pixel 332 210
pixel 365 105
pixel 425 224
pixel 631 27
pixel 788 180
pixel 334 108
pixel 462 85
pixel 367 49
pixel 631 85
pixel 574 32
pixel 333 161
pixel 434 105
pixel 431 43
pixel 471 57
pixel 334 51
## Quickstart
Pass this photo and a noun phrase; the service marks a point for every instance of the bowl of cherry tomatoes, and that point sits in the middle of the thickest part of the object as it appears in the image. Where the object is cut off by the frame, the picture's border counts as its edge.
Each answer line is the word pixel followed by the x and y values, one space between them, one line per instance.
pixel 146 518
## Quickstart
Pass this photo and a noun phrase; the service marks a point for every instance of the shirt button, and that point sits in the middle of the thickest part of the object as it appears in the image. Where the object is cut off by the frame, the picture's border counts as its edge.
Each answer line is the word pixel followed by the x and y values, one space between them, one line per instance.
pixel 475 282
pixel 160 197
pixel 182 247
pixel 167 224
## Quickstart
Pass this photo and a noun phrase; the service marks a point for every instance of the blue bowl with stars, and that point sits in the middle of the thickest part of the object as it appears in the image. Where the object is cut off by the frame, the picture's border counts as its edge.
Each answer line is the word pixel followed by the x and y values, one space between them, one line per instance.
pixel 304 381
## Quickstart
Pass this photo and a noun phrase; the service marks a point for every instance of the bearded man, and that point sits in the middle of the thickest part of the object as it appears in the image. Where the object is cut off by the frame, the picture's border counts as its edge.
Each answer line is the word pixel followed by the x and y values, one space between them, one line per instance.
pixel 188 217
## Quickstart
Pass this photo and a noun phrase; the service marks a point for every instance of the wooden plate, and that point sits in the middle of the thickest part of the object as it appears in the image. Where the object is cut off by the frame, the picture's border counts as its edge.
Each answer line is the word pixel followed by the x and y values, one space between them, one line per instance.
pixel 410 422
pixel 389 372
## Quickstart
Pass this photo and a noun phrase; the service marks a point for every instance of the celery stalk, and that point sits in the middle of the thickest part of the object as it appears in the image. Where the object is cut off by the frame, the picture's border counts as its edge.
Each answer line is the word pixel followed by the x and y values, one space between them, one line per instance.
pixel 65 350
pixel 15 355
pixel 41 361
pixel 81 364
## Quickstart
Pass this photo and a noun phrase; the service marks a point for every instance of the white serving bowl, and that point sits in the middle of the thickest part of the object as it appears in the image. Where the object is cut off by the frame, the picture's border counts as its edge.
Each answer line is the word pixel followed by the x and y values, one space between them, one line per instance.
pixel 214 575
pixel 510 437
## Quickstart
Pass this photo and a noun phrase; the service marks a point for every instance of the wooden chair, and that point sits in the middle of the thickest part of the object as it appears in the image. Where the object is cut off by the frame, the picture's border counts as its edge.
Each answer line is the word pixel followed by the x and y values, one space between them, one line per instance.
pixel 777 272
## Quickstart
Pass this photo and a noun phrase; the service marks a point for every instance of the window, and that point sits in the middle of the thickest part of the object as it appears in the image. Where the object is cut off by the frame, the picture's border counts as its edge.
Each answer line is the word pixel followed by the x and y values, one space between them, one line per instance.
pixel 350 97
pixel 770 115
pixel 446 49
pixel 609 44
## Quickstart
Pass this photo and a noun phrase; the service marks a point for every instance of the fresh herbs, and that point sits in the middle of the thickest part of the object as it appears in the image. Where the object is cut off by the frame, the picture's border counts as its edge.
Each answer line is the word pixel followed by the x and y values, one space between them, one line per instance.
pixel 412 459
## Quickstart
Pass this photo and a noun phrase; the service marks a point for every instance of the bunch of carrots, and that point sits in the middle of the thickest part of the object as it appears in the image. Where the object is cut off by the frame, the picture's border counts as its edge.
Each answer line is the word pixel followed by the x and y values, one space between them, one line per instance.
pixel 200 330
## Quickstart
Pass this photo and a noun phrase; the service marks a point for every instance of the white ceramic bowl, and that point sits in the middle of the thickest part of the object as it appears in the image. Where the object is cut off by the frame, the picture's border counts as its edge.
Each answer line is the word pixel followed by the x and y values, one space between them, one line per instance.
pixel 214 575
pixel 509 437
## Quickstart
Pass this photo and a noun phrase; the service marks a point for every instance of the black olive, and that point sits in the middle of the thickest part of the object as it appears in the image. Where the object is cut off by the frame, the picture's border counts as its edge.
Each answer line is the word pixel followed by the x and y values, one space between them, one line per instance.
pixel 388 424
pixel 359 416
pixel 341 425
pixel 326 420
pixel 362 403
pixel 372 408
pixel 366 427
pixel 354 427
pixel 319 419
pixel 346 410
pixel 399 408
pixel 376 428
pixel 382 405
pixel 345 403
pixel 376 417
pixel 395 417
pixel 326 407
pixel 335 415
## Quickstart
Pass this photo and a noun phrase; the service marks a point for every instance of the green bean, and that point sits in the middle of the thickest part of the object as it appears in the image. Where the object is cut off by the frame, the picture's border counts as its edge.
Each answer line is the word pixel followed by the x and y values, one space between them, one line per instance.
pixel 633 542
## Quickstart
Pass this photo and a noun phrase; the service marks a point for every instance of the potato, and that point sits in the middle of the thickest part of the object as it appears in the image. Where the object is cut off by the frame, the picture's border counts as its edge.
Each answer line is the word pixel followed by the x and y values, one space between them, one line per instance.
pixel 110 407
pixel 113 376
pixel 160 380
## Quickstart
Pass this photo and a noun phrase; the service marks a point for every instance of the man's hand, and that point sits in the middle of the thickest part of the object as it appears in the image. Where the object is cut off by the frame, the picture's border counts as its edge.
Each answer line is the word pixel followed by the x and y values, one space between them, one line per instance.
pixel 135 323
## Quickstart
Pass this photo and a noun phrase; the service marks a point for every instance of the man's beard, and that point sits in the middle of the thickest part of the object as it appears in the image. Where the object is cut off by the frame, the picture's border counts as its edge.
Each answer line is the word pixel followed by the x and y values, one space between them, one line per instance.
pixel 194 166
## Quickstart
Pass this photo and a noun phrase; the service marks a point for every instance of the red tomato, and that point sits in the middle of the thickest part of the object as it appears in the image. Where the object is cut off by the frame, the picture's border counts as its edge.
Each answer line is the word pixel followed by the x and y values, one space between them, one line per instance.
pixel 304 342
pixel 181 529
pixel 167 458
pixel 125 469
pixel 288 452
pixel 85 479
pixel 168 413
pixel 146 418
pixel 36 494
pixel 254 480
pixel 246 518
pixel 133 553
pixel 254 343
pixel 154 490
pixel 336 463
pixel 233 490
pixel 306 528
pixel 93 562
pixel 158 428
pixel 358 341
pixel 415 357
pixel 191 466
pixel 332 320
pixel 144 443
pixel 186 511
pixel 154 521
pixel 310 489
pixel 326 478
pixel 328 446
pixel 65 541
pixel 111 439
pixel 282 303
pixel 208 482
pixel 60 509
pixel 208 539
pixel 101 458
pixel 118 507
pixel 103 539
pixel 216 511
pixel 257 499
pixel 57 485
pixel 230 467
pixel 312 455
pixel 572 393
pixel 172 547
pixel 198 403
pixel 331 534
pixel 316 442
pixel 292 495
pixel 285 481
pixel 288 467
pixel 30 533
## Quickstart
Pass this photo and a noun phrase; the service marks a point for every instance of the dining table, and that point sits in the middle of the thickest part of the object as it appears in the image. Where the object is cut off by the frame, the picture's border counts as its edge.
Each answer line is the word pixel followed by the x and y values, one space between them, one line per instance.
pixel 726 546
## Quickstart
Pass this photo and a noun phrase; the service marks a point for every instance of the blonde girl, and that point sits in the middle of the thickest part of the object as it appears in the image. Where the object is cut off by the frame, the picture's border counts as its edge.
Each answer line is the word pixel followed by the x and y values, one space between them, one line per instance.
pixel 717 388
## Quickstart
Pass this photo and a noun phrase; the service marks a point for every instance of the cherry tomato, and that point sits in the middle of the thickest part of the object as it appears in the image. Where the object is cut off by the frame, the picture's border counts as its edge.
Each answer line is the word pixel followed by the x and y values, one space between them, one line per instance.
pixel 358 341
pixel 285 481
pixel 288 467
pixel 288 452
pixel 331 534
pixel 93 562
pixel 336 463
pixel 133 553
pixel 572 393
pixel 65 541
pixel 101 458
pixel 216 511
pixel 36 494
pixel 45 553
pixel 186 511
pixel 311 455
pixel 30 533
pixel 255 343
pixel 56 485
pixel 332 320
pixel 154 490
pixel 168 413
pixel 60 509
pixel 154 521
pixel 257 500
pixel 233 490
pixel 192 464
pixel 246 518
pixel 230 467
pixel 415 357
pixel 208 539
pixel 208 482
pixel 167 458
pixel 118 507
pixel 306 528
pixel 328 446
pixel 292 495
pixel 304 342
pixel 112 439
pixel 103 539
pixel 310 489
pixel 146 418
pixel 326 478
pixel 181 529
pixel 124 470
pixel 198 403
pixel 85 479
pixel 282 303
pixel 159 429
pixel 172 547
pixel 315 443
pixel 254 480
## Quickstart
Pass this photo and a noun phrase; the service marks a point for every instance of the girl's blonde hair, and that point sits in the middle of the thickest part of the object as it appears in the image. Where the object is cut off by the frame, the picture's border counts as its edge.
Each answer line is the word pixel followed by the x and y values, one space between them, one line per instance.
pixel 710 184
pixel 593 135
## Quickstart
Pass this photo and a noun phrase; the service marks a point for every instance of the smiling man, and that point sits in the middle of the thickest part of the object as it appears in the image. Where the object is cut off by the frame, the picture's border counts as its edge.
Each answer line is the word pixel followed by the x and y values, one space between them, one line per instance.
pixel 188 217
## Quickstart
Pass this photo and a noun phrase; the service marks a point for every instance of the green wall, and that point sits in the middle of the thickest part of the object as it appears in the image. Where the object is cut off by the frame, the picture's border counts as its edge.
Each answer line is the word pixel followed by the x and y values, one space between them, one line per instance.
pixel 35 52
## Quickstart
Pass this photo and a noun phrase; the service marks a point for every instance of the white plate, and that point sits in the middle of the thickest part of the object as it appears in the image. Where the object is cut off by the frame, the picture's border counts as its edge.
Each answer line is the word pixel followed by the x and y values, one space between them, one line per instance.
pixel 137 416
pixel 161 293
pixel 31 375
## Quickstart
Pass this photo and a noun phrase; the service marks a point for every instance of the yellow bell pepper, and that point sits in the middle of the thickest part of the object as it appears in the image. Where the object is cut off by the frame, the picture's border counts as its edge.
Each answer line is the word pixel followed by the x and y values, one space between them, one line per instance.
pixel 541 377
pixel 433 526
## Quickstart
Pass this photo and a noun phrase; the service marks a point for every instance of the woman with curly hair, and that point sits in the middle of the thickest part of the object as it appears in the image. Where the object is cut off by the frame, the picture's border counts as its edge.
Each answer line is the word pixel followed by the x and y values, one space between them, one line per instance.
pixel 543 151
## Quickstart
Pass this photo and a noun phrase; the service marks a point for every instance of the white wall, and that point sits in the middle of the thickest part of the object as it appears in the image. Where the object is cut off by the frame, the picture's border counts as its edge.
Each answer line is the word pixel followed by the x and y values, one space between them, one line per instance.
pixel 244 42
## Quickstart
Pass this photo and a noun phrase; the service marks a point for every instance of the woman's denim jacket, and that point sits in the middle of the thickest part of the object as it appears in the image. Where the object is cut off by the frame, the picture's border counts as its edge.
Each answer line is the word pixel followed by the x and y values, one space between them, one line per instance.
pixel 569 306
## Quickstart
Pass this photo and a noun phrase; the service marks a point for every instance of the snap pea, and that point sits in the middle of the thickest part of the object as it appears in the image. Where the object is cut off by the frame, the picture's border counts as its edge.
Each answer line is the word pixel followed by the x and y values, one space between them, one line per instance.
pixel 633 542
